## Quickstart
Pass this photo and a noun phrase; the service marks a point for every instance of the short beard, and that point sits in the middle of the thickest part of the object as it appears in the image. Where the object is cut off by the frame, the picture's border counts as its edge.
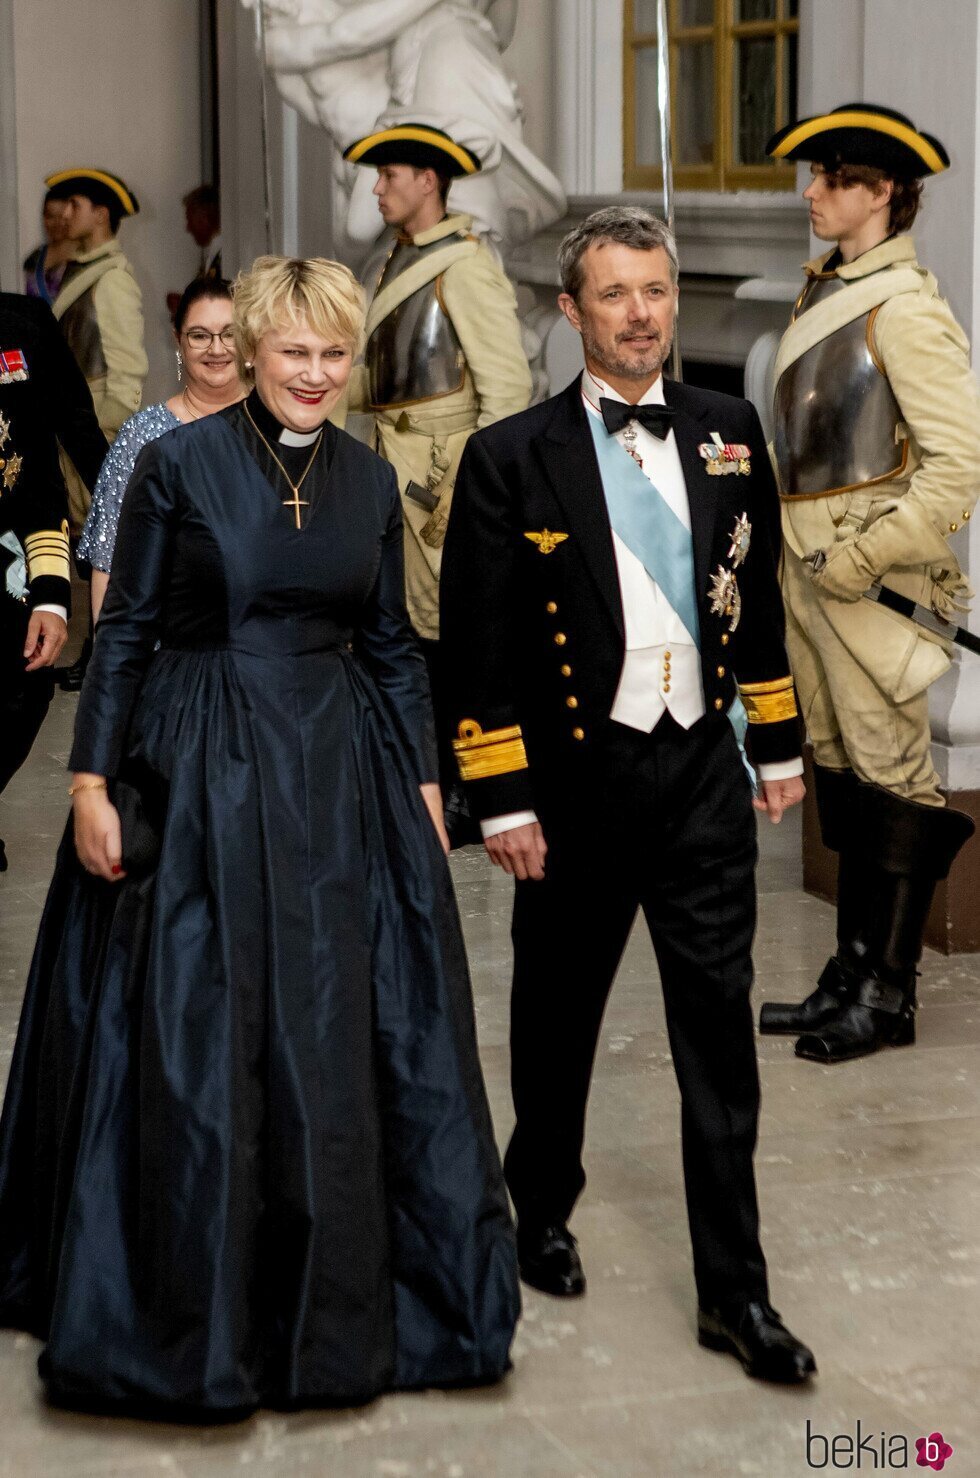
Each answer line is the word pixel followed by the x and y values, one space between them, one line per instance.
pixel 625 369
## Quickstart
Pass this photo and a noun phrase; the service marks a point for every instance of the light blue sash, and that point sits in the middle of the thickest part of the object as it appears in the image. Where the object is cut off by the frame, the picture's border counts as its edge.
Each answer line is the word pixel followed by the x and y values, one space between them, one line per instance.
pixel 651 530
pixel 648 526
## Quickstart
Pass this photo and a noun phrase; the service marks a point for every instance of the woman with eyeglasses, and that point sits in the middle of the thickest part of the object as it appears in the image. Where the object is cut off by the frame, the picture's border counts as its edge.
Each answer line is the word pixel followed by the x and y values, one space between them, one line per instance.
pixel 208 377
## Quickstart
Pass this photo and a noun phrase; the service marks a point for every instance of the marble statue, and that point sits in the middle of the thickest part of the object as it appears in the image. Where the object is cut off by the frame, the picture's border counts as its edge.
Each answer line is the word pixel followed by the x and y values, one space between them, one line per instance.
pixel 351 65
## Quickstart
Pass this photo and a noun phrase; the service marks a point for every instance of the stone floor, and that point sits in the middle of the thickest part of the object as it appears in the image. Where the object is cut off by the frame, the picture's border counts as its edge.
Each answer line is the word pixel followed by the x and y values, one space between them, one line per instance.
pixel 870 1187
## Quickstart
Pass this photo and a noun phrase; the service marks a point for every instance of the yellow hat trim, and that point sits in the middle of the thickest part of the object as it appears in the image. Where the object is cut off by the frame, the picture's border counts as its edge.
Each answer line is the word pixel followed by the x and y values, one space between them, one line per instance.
pixel 890 126
pixel 413 136
pixel 116 186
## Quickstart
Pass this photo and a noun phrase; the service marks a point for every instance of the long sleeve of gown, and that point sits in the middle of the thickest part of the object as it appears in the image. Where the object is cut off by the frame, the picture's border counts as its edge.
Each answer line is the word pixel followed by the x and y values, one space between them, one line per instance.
pixel 390 650
pixel 130 621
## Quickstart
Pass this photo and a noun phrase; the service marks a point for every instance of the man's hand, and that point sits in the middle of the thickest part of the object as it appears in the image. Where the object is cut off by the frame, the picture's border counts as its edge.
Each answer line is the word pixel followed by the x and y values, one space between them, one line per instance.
pixel 520 851
pixel 778 795
pixel 46 636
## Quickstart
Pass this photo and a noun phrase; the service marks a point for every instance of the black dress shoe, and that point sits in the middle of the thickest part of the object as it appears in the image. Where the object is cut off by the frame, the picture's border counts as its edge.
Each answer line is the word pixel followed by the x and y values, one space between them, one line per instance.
pixel 70 679
pixel 548 1259
pixel 754 1333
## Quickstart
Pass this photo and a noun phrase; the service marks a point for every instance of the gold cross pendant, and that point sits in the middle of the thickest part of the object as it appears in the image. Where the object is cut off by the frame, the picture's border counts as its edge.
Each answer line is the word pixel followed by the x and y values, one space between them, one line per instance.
pixel 296 503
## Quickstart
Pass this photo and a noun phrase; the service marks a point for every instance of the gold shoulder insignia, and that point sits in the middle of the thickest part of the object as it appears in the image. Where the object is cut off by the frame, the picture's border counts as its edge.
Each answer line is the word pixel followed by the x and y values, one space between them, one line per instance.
pixel 546 541
pixel 496 752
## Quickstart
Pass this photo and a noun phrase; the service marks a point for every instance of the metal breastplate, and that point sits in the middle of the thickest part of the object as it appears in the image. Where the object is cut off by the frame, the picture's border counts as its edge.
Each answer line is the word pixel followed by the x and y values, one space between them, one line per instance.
pixel 414 354
pixel 835 414
pixel 81 330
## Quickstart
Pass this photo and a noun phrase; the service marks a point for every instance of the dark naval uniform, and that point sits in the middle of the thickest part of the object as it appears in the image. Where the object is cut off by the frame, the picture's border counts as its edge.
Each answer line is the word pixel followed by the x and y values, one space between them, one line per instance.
pixel 44 400
pixel 536 638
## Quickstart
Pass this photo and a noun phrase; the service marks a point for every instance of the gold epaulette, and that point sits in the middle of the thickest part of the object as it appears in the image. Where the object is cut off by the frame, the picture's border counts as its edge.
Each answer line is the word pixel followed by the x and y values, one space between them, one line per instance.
pixel 768 703
pixel 498 752
pixel 47 553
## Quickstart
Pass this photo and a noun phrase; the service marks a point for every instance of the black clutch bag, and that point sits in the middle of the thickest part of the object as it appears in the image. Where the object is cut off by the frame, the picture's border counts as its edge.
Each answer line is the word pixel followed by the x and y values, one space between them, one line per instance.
pixel 139 795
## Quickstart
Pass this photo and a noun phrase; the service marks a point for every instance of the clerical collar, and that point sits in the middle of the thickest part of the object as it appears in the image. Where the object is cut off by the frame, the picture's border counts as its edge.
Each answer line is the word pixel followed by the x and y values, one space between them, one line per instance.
pixel 594 389
pixel 273 429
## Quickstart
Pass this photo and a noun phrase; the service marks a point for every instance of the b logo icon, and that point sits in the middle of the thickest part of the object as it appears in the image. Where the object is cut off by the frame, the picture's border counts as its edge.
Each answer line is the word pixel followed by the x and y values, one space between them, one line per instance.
pixel 933 1452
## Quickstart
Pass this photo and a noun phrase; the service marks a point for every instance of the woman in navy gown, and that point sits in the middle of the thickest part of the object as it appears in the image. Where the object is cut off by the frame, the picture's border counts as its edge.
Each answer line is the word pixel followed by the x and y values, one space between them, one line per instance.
pixel 245 1154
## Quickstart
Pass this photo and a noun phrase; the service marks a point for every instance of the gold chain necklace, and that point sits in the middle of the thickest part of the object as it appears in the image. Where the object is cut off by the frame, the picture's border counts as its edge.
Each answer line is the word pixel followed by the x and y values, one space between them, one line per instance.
pixel 295 502
pixel 193 414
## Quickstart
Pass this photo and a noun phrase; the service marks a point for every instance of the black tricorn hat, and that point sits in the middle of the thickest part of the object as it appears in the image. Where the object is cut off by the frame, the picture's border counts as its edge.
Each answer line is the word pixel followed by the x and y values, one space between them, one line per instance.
pixel 417 144
pixel 97 185
pixel 862 133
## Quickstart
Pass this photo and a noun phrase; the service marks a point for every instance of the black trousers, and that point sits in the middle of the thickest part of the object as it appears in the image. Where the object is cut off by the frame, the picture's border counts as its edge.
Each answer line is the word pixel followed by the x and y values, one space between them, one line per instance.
pixel 24 696
pixel 662 822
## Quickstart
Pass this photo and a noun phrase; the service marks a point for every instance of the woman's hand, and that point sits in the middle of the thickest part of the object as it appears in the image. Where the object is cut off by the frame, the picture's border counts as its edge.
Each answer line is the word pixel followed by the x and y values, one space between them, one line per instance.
pixel 98 833
pixel 432 795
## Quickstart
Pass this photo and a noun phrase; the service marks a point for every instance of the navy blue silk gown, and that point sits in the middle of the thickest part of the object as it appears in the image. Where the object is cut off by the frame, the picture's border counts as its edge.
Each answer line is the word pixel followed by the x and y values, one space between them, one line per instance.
pixel 245 1154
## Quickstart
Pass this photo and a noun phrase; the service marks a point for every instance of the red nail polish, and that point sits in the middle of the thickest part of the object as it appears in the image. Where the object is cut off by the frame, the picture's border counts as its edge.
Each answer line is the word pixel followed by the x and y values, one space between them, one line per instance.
pixel 116 868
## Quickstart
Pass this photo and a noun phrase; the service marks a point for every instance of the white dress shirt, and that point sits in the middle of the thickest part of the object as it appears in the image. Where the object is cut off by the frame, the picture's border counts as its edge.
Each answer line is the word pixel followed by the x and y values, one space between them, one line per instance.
pixel 662 665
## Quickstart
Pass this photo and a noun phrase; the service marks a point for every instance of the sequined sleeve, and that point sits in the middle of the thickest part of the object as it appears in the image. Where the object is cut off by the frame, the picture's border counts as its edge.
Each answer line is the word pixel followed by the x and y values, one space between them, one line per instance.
pixel 99 534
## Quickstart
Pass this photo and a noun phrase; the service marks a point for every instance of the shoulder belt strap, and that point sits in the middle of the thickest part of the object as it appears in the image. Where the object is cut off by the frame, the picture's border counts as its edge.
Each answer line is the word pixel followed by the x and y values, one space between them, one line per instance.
pixel 78 285
pixel 825 318
pixel 415 277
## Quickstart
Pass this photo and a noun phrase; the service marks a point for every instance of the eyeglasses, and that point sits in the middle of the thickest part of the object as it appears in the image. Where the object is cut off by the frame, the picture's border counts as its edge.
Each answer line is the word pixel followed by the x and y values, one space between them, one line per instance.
pixel 201 339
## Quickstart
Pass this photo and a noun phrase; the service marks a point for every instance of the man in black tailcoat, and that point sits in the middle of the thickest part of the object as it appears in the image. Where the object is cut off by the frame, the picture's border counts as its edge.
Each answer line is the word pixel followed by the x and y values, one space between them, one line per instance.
pixel 610 596
pixel 44 400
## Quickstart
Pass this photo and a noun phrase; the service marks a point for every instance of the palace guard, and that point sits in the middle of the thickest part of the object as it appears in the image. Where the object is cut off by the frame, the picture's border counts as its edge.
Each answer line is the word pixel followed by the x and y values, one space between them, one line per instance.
pixel 444 357
pixel 876 416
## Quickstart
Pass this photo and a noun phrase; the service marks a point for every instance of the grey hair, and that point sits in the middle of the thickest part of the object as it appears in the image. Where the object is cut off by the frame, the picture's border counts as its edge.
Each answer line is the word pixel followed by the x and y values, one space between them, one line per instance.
pixel 629 225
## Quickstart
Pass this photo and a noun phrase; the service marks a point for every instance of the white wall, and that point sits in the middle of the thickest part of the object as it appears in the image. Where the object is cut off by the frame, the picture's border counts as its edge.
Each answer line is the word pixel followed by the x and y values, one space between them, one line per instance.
pixel 530 60
pixel 114 83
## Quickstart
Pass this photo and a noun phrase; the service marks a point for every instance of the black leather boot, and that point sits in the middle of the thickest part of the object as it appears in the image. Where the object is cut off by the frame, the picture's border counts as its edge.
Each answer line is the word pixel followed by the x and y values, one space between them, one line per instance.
pixel 913 847
pixel 837 807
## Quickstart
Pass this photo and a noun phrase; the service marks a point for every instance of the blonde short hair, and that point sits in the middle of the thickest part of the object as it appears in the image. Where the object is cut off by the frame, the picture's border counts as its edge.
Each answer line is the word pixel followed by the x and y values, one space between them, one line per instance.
pixel 280 292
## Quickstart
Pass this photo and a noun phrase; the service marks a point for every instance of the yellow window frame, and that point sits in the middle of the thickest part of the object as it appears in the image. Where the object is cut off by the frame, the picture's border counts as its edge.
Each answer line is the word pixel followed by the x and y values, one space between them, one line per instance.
pixel 723 173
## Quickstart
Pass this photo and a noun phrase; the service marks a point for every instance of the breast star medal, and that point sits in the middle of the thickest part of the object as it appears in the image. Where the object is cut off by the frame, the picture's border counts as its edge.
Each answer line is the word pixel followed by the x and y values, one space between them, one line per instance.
pixel 12 471
pixel 726 600
pixel 546 541
pixel 741 538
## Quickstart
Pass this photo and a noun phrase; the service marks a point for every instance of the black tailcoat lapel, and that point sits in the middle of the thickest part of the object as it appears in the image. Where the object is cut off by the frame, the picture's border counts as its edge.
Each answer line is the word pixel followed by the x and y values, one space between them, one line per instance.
pixel 566 452
pixel 690 432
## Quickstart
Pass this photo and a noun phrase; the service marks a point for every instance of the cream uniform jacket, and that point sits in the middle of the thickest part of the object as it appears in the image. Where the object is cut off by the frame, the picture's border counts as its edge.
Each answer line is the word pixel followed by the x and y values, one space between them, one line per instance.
pixel 423 437
pixel 100 309
pixel 901 523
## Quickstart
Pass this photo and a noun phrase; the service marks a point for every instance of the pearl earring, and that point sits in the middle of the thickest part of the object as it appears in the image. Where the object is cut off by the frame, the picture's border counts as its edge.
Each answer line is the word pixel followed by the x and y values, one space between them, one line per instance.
pixel 180 366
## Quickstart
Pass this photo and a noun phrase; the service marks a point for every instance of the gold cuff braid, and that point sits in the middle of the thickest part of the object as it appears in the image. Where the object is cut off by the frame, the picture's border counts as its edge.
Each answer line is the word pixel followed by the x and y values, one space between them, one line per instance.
pixel 498 752
pixel 47 553
pixel 769 703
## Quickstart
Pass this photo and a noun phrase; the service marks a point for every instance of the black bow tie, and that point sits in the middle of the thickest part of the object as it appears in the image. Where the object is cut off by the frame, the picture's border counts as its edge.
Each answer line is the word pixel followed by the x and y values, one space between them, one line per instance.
pixel 656 418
